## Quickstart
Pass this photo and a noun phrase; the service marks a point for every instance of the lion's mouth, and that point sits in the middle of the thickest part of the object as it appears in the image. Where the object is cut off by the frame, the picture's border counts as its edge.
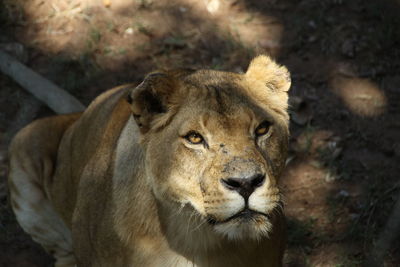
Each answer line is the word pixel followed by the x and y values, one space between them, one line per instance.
pixel 245 215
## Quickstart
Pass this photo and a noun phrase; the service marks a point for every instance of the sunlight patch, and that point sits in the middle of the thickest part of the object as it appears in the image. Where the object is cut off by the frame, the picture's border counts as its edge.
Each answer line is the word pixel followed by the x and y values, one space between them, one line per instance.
pixel 361 96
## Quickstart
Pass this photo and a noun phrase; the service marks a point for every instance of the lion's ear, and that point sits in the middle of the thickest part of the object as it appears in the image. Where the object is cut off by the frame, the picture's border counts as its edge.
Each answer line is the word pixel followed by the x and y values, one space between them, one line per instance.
pixel 151 98
pixel 264 69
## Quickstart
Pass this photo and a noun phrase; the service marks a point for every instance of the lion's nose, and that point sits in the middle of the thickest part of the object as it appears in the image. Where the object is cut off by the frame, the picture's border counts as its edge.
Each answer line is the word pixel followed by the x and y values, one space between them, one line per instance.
pixel 244 186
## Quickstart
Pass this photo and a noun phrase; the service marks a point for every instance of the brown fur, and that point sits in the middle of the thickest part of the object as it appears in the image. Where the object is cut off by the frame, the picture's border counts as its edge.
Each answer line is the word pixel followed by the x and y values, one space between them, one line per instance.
pixel 123 187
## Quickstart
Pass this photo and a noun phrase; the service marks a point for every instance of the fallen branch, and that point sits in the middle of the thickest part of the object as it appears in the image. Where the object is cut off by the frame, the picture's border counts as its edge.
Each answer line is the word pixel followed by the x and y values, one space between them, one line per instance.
pixel 53 96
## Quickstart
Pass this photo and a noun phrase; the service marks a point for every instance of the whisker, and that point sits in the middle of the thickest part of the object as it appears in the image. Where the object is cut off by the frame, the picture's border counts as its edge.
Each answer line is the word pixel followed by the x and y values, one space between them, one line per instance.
pixel 189 223
pixel 200 224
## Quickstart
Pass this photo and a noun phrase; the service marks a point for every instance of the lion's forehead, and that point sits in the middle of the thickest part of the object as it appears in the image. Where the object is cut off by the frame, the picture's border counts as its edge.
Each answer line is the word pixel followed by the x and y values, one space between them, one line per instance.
pixel 222 106
pixel 227 124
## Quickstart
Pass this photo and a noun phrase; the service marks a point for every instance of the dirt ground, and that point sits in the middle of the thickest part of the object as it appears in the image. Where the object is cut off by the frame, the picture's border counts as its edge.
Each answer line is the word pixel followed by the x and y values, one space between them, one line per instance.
pixel 341 181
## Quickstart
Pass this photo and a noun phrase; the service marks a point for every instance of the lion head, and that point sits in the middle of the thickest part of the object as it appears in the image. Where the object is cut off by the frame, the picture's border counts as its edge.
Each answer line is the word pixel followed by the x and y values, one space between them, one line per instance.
pixel 215 143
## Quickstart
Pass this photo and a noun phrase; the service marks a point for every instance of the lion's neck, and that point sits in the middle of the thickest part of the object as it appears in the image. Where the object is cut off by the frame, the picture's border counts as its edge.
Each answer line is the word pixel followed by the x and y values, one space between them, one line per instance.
pixel 133 200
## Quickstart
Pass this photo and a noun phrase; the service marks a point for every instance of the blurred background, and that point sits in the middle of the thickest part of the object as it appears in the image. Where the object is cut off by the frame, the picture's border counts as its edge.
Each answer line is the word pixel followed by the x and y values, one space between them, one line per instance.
pixel 342 178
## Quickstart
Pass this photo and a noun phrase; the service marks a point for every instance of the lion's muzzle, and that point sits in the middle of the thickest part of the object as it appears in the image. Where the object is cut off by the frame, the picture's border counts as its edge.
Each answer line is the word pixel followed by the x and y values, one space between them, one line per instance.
pixel 245 186
pixel 243 175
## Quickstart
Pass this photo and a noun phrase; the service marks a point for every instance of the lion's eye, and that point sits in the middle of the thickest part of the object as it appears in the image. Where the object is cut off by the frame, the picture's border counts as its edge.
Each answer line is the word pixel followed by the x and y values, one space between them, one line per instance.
pixel 194 138
pixel 263 128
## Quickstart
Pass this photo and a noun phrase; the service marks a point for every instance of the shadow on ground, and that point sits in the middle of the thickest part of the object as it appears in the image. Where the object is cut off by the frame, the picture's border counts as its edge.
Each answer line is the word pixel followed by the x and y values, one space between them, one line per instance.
pixel 341 180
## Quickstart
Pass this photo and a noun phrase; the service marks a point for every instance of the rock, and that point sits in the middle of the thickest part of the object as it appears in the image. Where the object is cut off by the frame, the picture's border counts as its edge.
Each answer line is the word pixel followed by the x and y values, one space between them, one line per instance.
pixel 129 31
pixel 213 6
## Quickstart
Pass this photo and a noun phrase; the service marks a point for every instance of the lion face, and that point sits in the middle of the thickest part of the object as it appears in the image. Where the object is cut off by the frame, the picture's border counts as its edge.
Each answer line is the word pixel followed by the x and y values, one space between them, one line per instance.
pixel 217 149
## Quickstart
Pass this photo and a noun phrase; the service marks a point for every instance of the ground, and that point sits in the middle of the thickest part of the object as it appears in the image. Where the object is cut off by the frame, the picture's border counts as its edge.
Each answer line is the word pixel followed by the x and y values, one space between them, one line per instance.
pixel 341 180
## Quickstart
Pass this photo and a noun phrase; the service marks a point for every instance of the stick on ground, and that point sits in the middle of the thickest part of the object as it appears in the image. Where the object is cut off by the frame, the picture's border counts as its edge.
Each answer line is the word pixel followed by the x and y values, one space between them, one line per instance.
pixel 53 96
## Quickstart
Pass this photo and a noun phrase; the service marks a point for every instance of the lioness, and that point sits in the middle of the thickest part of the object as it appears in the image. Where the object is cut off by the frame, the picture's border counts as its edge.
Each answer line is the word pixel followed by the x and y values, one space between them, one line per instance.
pixel 180 171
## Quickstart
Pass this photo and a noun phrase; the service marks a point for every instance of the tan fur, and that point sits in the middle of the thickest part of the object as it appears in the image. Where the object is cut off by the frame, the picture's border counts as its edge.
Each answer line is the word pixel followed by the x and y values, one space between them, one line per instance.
pixel 120 185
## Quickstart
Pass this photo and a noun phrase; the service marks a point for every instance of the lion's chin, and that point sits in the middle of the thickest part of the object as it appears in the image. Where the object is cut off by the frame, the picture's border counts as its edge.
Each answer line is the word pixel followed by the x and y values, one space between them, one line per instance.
pixel 254 227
